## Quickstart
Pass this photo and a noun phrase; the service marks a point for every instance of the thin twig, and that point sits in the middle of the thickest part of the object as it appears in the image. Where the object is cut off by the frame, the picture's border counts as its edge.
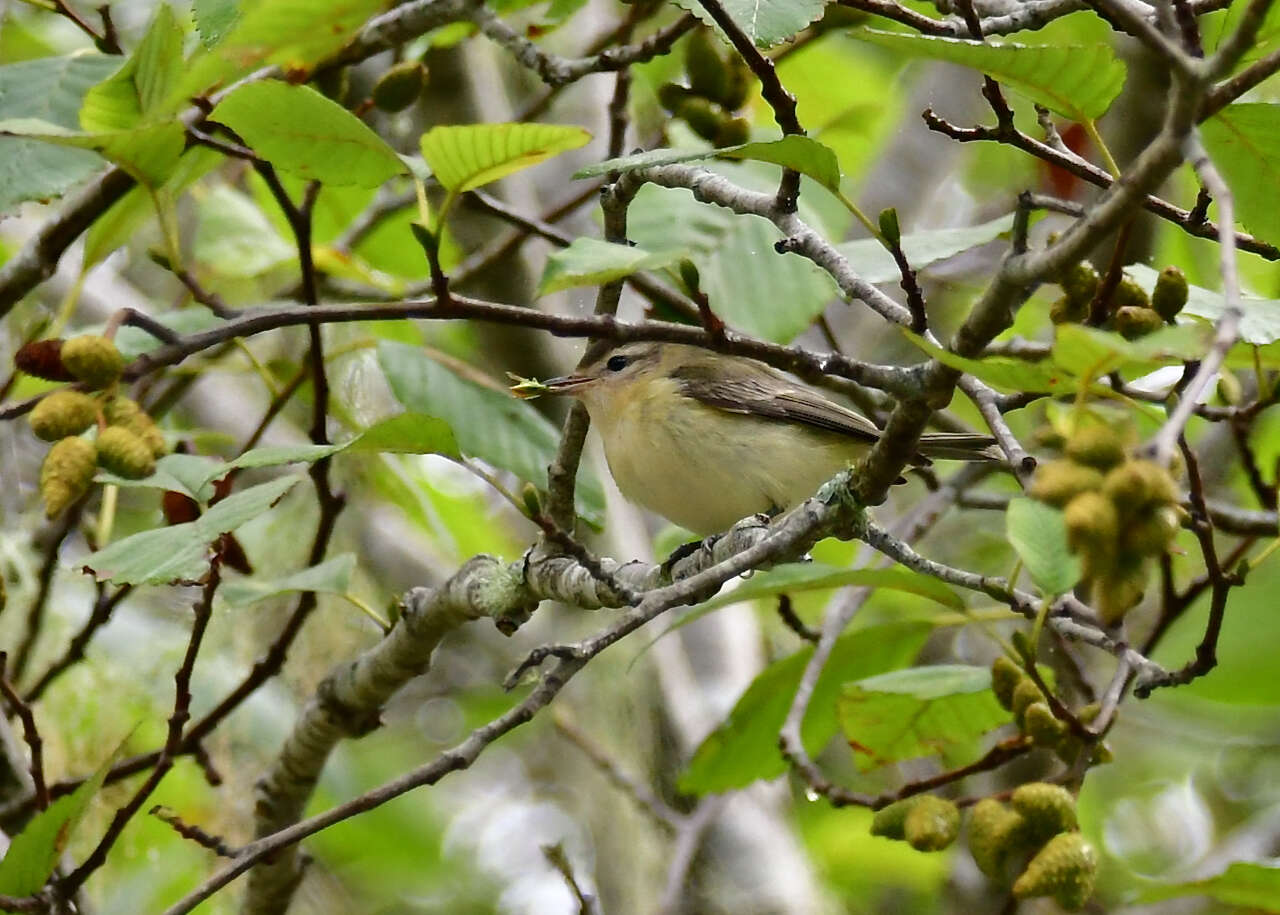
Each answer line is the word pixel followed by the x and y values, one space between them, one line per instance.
pixel 202 613
pixel 193 833
pixel 30 733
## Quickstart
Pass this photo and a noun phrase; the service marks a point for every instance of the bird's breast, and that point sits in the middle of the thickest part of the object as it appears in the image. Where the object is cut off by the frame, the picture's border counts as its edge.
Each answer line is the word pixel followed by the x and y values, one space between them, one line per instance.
pixel 705 468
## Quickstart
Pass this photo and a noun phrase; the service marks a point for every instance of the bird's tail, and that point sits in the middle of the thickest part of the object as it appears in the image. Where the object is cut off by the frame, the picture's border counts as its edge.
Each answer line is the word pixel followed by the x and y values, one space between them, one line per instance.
pixel 960 446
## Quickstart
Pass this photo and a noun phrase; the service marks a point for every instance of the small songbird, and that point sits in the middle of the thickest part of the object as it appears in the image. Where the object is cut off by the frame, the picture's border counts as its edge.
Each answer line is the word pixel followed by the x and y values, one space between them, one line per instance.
pixel 706 439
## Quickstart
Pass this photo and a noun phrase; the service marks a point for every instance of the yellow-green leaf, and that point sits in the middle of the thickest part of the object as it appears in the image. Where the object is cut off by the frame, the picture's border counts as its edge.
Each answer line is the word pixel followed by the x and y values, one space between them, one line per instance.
pixel 465 157
pixel 301 132
pixel 1076 82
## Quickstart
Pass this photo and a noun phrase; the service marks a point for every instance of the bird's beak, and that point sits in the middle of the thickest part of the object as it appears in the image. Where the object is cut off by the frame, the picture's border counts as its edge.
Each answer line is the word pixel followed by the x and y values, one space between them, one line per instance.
pixel 567 384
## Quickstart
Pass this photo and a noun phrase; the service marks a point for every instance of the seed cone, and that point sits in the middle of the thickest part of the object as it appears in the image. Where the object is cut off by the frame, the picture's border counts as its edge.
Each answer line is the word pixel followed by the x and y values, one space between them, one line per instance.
pixel 1047 809
pixel 1064 869
pixel 63 413
pixel 932 824
pixel 1170 295
pixel 889 822
pixel 94 360
pixel 66 473
pixel 995 833
pixel 124 454
pixel 1005 677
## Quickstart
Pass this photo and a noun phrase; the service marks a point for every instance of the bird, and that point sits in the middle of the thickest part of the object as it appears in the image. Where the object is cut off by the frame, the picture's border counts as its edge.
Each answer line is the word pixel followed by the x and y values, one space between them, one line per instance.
pixel 706 439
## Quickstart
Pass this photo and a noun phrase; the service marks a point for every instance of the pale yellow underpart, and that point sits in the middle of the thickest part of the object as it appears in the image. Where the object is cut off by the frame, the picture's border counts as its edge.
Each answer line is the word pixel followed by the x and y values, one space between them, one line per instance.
pixel 705 468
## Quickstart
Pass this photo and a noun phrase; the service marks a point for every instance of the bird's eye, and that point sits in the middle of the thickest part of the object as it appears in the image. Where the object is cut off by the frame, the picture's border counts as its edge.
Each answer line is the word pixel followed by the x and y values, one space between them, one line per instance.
pixel 616 363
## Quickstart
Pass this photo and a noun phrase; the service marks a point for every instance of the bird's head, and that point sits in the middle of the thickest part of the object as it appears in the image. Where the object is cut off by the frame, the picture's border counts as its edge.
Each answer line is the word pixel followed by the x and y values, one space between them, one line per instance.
pixel 609 377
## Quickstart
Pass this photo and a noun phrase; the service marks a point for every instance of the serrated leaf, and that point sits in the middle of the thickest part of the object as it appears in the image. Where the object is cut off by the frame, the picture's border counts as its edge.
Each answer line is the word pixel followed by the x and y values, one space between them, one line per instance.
pixel 803 154
pixel 293 34
pixel 1244 141
pixel 33 854
pixel 1260 318
pixel 1251 885
pixel 214 19
pixel 873 263
pixel 1038 534
pixel 745 747
pixel 465 157
pixel 180 552
pixel 301 132
pixel 765 22
pixel 1076 82
pixel 491 425
pixel 333 576
pixel 141 89
pixel 591 262
pixel 1004 373
pixel 924 711
pixel 50 89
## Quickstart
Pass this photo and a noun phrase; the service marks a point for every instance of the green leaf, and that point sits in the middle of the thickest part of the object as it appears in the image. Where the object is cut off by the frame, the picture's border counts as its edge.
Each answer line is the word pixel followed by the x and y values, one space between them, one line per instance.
pixel 214 19
pixel 1246 884
pixel 332 576
pixel 271 456
pixel 184 473
pixel 765 22
pixel 745 747
pixel 1005 373
pixel 34 852
pixel 666 217
pixel 407 433
pixel 1082 349
pixel 760 292
pixel 148 153
pixel 287 33
pixel 140 90
pixel 491 425
pixel 464 157
pixel 50 89
pixel 301 132
pixel 1039 535
pixel 873 263
pixel 1215 26
pixel 1076 82
pixel 924 711
pixel 803 154
pixel 194 475
pixel 180 552
pixel 1244 141
pixel 1260 320
pixel 591 262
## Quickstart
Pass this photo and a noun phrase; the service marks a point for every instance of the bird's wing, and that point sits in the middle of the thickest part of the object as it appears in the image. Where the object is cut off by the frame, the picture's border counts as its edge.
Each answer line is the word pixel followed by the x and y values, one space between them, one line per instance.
pixel 757 392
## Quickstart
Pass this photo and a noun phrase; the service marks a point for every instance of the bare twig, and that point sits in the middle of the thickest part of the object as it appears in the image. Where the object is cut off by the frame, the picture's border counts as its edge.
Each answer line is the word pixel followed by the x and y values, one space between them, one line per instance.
pixel 30 733
pixel 202 612
pixel 193 833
